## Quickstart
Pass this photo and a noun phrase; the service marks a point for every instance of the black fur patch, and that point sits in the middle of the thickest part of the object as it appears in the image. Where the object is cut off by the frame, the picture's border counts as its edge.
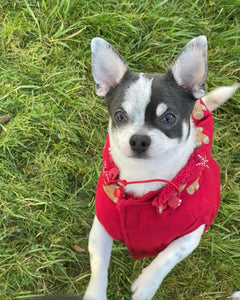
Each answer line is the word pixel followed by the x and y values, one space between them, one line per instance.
pixel 115 97
pixel 179 102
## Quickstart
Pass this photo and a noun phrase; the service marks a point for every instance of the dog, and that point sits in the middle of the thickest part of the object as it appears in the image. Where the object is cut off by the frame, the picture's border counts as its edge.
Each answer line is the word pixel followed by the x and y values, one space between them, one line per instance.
pixel 159 188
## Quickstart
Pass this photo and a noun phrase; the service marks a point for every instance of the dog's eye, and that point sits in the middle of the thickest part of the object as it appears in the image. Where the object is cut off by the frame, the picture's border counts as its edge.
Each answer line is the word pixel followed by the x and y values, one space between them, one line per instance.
pixel 120 117
pixel 169 119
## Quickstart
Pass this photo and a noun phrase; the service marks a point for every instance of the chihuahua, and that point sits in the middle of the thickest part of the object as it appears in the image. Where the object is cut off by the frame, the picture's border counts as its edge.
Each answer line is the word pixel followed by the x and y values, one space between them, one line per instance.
pixel 159 188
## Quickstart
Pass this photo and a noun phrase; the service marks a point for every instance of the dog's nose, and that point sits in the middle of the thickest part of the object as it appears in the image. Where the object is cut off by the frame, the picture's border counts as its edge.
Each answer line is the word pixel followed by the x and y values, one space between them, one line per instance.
pixel 139 143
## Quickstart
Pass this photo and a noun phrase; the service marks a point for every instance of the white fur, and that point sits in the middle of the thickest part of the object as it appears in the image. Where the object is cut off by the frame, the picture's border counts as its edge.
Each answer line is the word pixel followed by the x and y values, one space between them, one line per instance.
pixel 136 99
pixel 107 65
pixel 99 247
pixel 162 107
pixel 235 296
pixel 190 68
pixel 220 95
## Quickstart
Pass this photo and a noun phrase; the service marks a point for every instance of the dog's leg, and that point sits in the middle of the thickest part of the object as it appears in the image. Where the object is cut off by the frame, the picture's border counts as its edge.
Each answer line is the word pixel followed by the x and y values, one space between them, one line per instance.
pixel 151 277
pixel 100 246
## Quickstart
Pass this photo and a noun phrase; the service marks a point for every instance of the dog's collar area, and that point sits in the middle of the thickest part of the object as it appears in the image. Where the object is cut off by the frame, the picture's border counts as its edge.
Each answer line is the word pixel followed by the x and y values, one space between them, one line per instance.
pixel 114 188
pixel 114 173
pixel 168 196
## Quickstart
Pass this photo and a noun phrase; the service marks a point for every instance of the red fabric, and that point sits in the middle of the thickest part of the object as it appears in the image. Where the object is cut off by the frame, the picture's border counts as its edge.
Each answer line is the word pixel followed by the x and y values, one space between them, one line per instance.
pixel 137 221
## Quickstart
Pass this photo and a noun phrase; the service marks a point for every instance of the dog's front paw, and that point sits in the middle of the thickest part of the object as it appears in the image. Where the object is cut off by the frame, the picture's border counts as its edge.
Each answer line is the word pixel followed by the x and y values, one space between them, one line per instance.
pixel 235 296
pixel 90 295
pixel 145 285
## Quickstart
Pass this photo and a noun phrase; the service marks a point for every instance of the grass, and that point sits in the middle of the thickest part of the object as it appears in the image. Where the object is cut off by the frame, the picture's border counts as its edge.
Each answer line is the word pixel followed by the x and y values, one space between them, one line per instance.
pixel 50 150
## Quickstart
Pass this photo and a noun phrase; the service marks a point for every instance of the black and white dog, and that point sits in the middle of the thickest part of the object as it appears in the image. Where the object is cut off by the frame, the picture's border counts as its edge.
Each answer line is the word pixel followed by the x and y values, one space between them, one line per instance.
pixel 156 158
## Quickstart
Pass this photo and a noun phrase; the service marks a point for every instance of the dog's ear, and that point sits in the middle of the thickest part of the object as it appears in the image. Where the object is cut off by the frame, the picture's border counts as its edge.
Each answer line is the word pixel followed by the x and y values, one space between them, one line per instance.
pixel 190 66
pixel 108 66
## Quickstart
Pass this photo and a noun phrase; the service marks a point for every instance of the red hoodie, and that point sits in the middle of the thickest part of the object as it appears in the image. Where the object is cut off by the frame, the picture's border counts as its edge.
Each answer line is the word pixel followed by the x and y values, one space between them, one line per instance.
pixel 149 223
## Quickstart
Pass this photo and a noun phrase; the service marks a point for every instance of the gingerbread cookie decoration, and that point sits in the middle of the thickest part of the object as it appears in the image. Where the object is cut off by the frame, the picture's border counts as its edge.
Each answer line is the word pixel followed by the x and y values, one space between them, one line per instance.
pixel 193 187
pixel 201 137
pixel 182 187
pixel 198 111
pixel 112 191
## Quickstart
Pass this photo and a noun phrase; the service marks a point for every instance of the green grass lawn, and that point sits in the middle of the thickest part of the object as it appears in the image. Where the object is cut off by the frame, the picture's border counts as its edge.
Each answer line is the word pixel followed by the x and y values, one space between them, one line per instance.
pixel 50 150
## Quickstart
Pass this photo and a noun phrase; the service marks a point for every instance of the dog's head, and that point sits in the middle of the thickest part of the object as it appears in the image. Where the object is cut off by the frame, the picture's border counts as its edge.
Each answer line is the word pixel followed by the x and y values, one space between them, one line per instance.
pixel 149 113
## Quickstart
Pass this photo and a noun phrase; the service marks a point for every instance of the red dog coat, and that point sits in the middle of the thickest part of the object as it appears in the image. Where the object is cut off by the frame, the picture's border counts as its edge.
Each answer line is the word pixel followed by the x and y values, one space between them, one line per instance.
pixel 149 223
